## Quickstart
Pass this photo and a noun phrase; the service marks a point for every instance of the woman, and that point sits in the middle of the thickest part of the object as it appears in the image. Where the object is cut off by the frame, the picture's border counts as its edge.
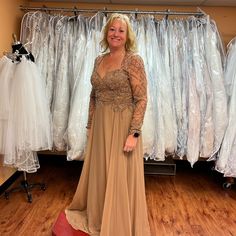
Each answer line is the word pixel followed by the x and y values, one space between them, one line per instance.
pixel 110 198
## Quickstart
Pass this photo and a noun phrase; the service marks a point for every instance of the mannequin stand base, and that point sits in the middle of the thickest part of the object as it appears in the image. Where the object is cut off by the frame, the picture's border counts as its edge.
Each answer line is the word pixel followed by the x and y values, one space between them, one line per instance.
pixel 24 185
pixel 62 228
pixel 229 182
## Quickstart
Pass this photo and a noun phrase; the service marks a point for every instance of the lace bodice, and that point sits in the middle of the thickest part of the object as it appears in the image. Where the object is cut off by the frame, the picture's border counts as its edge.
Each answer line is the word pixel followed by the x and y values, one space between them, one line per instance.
pixel 122 88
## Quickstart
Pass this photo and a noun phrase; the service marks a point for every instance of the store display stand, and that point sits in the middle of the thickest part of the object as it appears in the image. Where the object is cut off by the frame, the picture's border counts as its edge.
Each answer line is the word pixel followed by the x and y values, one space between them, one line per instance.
pixel 166 167
pixel 229 182
pixel 24 185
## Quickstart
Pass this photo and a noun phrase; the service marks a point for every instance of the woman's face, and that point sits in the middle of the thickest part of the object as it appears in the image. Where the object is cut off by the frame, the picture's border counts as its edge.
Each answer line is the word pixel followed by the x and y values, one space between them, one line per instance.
pixel 117 34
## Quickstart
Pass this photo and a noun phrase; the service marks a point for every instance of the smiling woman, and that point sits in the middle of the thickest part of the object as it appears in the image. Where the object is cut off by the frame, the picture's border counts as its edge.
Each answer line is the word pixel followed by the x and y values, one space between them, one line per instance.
pixel 115 38
pixel 119 24
pixel 110 198
pixel 117 32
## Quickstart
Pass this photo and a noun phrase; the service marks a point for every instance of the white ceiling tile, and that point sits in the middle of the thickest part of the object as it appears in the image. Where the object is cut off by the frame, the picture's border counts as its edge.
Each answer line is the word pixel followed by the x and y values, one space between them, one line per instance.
pixel 93 1
pixel 219 3
pixel 74 1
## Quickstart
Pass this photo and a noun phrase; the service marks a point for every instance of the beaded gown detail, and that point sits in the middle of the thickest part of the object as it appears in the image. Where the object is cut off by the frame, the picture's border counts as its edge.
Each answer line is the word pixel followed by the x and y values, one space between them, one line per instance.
pixel 110 197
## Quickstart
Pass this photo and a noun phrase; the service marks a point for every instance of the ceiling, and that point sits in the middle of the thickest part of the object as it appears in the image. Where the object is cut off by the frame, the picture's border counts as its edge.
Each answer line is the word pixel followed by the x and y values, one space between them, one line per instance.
pixel 155 2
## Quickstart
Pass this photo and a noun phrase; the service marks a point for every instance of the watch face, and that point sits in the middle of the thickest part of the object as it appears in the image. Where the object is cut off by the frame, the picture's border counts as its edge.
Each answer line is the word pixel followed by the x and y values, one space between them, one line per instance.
pixel 136 135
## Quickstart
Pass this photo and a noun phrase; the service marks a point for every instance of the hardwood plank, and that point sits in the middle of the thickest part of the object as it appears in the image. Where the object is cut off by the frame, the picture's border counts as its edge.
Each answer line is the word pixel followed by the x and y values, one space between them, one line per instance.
pixel 5 172
pixel 191 203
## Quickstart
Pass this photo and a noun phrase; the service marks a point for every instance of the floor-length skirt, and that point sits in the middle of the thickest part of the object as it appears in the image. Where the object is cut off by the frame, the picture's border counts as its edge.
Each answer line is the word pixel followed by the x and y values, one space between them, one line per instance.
pixel 110 197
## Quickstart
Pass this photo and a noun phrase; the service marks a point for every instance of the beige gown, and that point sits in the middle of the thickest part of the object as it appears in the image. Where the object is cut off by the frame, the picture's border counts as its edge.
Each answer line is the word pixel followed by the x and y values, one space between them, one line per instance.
pixel 110 197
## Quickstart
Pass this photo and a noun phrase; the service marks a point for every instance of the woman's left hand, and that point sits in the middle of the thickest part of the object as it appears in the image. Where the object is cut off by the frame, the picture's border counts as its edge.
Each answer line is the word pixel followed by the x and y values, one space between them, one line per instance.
pixel 130 143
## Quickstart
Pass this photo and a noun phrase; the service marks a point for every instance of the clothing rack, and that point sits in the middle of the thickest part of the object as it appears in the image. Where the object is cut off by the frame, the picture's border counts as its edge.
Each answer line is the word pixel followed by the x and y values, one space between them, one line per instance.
pixel 75 10
pixel 169 167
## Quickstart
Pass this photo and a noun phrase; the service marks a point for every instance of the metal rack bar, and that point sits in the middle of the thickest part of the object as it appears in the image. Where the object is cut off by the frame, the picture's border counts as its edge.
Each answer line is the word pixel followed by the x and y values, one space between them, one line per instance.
pixel 75 10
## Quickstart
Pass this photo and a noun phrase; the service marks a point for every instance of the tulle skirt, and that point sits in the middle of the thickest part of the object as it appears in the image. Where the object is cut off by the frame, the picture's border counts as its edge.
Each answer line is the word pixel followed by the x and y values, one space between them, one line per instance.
pixel 28 121
pixel 6 74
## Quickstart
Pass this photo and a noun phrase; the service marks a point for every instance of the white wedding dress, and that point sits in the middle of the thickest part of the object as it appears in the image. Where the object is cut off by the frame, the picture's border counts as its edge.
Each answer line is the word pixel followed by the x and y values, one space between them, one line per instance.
pixel 29 121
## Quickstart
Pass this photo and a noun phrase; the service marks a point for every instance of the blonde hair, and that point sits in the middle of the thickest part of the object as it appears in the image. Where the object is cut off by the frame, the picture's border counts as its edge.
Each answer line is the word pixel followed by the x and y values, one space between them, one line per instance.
pixel 131 38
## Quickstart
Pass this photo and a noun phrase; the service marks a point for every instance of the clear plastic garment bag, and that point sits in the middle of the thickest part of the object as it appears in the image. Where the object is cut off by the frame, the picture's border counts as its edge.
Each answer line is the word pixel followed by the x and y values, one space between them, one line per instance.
pixel 226 163
pixel 186 112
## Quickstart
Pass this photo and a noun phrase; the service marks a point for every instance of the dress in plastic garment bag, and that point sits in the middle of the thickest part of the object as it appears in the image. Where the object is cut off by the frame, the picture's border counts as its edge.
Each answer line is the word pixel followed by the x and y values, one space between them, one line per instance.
pixel 184 64
pixel 225 162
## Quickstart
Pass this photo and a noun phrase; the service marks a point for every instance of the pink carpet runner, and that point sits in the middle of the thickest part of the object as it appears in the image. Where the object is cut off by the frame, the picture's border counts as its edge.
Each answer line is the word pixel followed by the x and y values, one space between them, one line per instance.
pixel 63 228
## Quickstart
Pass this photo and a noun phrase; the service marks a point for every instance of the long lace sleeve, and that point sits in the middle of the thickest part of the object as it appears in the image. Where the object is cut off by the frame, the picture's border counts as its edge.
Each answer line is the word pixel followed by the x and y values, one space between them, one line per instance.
pixel 91 108
pixel 92 102
pixel 138 82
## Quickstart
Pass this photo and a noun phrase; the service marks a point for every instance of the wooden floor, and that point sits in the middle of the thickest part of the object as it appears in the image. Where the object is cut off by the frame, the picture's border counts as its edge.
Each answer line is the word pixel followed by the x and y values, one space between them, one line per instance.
pixel 192 203
pixel 5 172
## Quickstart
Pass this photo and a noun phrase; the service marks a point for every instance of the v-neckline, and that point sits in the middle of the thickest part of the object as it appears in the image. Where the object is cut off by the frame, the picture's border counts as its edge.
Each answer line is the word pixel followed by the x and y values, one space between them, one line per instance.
pixel 111 71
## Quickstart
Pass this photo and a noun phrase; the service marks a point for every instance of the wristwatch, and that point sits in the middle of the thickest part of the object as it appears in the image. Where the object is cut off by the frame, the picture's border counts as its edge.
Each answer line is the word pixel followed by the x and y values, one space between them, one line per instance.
pixel 136 135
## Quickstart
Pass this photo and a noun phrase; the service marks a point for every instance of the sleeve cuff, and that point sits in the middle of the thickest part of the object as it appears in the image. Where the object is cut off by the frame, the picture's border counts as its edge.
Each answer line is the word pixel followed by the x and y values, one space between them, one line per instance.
pixel 132 131
pixel 88 126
